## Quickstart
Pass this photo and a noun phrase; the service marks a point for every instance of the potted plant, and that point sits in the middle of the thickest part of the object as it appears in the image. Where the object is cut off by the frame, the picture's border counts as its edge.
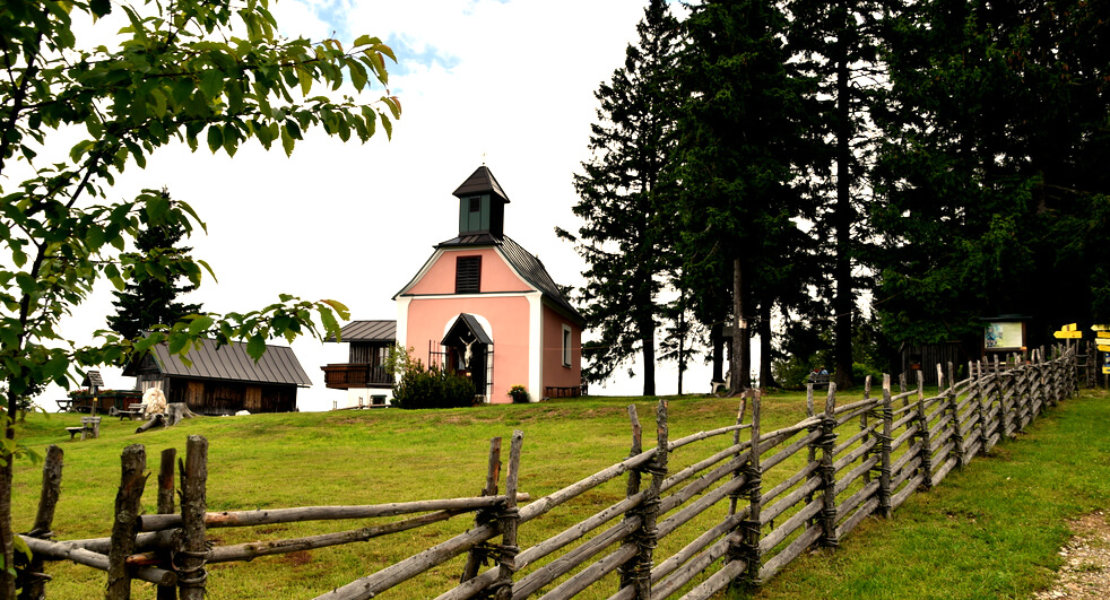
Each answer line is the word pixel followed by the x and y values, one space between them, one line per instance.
pixel 519 394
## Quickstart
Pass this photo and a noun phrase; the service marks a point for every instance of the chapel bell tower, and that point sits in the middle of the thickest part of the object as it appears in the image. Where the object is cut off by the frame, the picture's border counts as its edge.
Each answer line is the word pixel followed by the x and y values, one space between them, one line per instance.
pixel 481 205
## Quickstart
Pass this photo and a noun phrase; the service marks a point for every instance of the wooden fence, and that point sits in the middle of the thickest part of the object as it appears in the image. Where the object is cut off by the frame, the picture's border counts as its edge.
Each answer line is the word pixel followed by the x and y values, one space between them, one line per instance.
pixel 736 515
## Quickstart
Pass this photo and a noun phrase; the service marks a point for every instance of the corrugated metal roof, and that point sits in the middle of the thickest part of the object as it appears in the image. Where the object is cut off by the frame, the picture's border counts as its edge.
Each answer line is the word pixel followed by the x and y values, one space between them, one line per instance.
pixel 367 331
pixel 232 363
pixel 532 269
pixel 481 181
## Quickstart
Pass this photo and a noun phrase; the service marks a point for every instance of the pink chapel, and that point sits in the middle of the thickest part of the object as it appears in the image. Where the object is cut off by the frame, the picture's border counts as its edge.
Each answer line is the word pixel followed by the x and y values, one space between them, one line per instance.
pixel 481 306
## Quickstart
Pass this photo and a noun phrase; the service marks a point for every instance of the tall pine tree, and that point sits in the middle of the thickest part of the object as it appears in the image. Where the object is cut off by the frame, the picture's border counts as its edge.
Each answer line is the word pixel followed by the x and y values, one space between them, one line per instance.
pixel 990 171
pixel 741 133
pixel 626 235
pixel 154 300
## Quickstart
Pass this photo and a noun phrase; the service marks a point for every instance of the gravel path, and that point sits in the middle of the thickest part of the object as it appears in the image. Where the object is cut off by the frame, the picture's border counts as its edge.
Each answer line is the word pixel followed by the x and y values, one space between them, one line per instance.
pixel 1085 574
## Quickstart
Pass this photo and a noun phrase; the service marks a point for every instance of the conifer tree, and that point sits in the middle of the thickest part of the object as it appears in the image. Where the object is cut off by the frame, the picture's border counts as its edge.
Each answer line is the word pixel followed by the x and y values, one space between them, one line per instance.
pixel 154 300
pixel 626 237
pixel 990 173
pixel 740 136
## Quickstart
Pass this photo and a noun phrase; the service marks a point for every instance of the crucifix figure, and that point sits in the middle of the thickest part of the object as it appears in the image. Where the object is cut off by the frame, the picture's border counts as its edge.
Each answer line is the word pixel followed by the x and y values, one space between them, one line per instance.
pixel 469 353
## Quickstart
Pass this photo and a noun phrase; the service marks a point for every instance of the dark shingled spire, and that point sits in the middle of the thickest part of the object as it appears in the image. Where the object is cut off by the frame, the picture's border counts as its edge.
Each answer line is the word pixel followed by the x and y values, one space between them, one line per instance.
pixel 481 182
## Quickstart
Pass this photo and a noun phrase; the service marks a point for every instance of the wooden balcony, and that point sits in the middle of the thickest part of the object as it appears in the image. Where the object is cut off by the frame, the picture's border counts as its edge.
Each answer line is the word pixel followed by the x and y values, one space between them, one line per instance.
pixel 342 377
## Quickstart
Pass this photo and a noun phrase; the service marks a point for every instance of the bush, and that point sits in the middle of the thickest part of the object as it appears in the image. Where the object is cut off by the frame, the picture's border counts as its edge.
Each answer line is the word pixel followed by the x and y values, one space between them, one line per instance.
pixel 432 387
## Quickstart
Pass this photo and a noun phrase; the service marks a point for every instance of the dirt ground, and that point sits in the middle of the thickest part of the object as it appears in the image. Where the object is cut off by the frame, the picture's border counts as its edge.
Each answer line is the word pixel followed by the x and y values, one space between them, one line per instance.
pixel 1085 574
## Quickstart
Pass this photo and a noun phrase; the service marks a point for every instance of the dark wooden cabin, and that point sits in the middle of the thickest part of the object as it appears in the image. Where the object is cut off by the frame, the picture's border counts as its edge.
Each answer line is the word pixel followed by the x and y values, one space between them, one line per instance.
pixel 224 380
pixel 370 342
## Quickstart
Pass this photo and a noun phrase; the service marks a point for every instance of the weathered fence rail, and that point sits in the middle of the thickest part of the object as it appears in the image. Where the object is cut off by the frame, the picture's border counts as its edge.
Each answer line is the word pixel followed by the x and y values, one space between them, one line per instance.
pixel 731 516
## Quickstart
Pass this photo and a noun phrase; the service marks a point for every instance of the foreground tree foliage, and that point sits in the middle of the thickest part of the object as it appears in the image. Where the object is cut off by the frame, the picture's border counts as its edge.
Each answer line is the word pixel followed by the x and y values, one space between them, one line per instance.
pixel 202 72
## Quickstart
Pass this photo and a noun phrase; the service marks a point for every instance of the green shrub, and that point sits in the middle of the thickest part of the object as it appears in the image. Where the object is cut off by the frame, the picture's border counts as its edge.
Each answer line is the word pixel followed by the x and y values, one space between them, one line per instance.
pixel 432 387
pixel 519 394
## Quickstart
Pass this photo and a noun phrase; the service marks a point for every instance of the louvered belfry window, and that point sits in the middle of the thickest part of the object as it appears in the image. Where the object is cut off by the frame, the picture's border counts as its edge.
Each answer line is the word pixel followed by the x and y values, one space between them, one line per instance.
pixel 468 274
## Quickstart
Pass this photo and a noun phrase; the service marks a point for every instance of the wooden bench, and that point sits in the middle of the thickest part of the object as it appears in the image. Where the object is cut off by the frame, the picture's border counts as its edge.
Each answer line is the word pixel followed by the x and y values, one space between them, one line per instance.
pixel 88 425
pixel 65 405
pixel 135 409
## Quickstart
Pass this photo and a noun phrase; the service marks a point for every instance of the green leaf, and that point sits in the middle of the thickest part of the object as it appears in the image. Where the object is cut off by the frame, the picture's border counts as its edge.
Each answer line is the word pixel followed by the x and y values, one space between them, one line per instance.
pixel 179 343
pixel 287 141
pixel 157 207
pixel 215 138
pixel 200 324
pixel 340 308
pixel 256 347
pixel 211 83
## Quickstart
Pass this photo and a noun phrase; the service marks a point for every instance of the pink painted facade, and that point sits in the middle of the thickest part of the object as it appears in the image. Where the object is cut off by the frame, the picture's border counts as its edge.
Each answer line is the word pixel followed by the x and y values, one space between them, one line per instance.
pixel 484 306
pixel 527 333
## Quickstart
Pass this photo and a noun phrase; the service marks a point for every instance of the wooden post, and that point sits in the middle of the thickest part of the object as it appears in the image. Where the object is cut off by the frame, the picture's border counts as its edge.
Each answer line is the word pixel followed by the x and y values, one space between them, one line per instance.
pixel 926 467
pixel 951 409
pixel 885 450
pixel 983 407
pixel 863 425
pixel 827 443
pixel 166 507
pixel 753 489
pixel 510 521
pixel 478 554
pixel 126 524
pixel 734 497
pixel 811 450
pixel 628 569
pixel 193 553
pixel 34 581
pixel 650 513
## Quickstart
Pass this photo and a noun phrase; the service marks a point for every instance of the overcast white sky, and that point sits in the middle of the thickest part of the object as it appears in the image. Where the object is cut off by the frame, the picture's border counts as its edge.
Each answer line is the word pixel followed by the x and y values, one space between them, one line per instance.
pixel 508 82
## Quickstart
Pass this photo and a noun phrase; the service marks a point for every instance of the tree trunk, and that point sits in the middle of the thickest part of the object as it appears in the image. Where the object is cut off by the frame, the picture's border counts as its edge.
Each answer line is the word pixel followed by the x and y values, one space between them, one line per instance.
pixel 647 340
pixel 766 378
pixel 717 338
pixel 741 361
pixel 842 216
pixel 7 541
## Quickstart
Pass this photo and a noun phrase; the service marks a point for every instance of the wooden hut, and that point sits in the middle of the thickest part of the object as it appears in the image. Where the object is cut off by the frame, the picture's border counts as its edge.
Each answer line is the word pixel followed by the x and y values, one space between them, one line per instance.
pixel 224 380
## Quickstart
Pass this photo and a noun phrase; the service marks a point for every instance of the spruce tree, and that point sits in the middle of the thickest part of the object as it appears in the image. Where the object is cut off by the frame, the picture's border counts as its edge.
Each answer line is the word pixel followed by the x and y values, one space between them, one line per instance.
pixel 154 300
pixel 990 173
pixel 741 134
pixel 626 235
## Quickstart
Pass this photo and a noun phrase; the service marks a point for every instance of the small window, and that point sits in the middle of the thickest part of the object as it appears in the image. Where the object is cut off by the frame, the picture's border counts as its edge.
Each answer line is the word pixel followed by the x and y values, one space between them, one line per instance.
pixel 475 204
pixel 566 346
pixel 468 274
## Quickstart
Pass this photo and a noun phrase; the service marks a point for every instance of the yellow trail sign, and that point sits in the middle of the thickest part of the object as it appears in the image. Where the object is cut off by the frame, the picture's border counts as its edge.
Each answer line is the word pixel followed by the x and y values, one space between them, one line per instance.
pixel 1104 348
pixel 1069 327
pixel 1100 327
pixel 1102 334
pixel 1068 335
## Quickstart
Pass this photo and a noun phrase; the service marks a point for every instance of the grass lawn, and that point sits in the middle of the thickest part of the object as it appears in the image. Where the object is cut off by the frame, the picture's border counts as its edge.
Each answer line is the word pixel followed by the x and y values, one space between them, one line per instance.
pixel 1003 514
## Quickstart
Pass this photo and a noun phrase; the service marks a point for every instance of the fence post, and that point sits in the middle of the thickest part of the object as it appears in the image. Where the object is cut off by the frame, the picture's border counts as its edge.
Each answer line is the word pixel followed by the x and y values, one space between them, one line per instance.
pixel 885 450
pixel 34 582
pixel 953 409
pixel 192 553
pixel 480 553
pixel 863 427
pixel 126 523
pixel 811 448
pixel 734 497
pixel 923 435
pixel 510 521
pixel 981 395
pixel 628 569
pixel 1002 386
pixel 753 488
pixel 648 534
pixel 827 443
pixel 166 507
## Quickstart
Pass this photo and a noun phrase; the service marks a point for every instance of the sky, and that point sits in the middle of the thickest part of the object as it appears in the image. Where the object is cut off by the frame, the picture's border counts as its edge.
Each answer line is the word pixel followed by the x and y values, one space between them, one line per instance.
pixel 507 83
